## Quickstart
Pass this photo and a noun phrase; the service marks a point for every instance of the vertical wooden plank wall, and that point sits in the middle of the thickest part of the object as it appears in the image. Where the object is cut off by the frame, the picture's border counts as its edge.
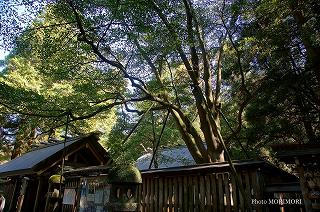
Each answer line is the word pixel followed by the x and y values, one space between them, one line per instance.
pixel 75 183
pixel 197 192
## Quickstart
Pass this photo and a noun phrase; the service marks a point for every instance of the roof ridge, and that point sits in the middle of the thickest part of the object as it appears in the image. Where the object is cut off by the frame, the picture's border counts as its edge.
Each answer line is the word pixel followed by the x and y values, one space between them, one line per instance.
pixel 48 144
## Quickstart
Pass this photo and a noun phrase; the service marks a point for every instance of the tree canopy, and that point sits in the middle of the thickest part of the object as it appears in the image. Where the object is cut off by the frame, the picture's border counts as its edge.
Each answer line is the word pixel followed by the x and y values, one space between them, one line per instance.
pixel 246 70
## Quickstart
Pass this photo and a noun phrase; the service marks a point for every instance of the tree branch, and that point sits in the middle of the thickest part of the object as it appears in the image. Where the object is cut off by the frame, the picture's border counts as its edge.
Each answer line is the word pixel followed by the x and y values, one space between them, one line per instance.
pixel 238 54
pixel 219 76
pixel 104 108
pixel 149 61
pixel 173 85
pixel 177 41
pixel 113 63
pixel 193 51
pixel 105 33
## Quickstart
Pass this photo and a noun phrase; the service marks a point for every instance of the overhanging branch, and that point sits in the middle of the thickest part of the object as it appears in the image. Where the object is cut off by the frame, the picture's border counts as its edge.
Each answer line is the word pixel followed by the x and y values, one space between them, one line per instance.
pixel 105 108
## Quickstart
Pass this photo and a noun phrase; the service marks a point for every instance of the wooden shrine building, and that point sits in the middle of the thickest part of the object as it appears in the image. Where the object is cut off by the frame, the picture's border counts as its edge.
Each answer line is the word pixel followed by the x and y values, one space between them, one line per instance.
pixel 206 187
pixel 306 158
pixel 25 180
pixel 212 187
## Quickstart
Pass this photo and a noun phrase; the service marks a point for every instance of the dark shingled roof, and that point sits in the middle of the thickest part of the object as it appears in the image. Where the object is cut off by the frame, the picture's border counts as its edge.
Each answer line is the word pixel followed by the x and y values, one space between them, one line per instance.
pixel 28 162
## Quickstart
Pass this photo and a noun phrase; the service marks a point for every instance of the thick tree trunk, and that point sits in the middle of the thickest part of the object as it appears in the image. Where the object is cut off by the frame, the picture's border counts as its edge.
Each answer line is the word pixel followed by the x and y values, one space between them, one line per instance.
pixel 212 152
pixel 199 148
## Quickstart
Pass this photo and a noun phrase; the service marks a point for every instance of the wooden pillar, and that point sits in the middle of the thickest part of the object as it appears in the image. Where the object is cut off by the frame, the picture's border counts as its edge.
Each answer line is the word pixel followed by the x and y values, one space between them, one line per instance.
pixel 22 193
pixel 303 185
pixel 14 194
pixel 36 203
pixel 258 187
pixel 47 198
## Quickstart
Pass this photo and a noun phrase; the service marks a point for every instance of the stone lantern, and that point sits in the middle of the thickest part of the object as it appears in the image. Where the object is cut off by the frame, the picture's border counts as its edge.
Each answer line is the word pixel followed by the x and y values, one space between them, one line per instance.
pixel 124 182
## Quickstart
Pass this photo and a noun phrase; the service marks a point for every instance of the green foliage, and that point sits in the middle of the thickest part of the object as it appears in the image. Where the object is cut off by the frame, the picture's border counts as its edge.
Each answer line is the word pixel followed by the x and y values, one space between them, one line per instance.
pixel 57 178
pixel 48 74
pixel 123 173
pixel 89 56
pixel 145 137
pixel 276 48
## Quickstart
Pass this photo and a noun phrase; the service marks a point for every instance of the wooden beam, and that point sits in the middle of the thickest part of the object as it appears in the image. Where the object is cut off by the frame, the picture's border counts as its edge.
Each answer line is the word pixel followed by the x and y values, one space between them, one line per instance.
pixel 283 187
pixel 47 198
pixel 53 164
pixel 97 156
pixel 14 194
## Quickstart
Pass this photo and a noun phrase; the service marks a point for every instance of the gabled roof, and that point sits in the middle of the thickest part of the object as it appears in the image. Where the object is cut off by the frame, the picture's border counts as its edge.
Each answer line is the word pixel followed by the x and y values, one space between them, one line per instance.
pixel 44 156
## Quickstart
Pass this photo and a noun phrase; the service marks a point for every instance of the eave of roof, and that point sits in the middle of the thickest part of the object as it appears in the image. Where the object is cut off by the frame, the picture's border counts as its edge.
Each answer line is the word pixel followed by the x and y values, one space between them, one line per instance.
pixel 28 163
pixel 219 167
pixel 101 169
pixel 216 166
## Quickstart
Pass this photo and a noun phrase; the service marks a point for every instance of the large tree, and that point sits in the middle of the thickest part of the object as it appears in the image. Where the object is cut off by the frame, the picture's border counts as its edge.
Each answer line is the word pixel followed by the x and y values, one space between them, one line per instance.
pixel 177 56
pixel 169 52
